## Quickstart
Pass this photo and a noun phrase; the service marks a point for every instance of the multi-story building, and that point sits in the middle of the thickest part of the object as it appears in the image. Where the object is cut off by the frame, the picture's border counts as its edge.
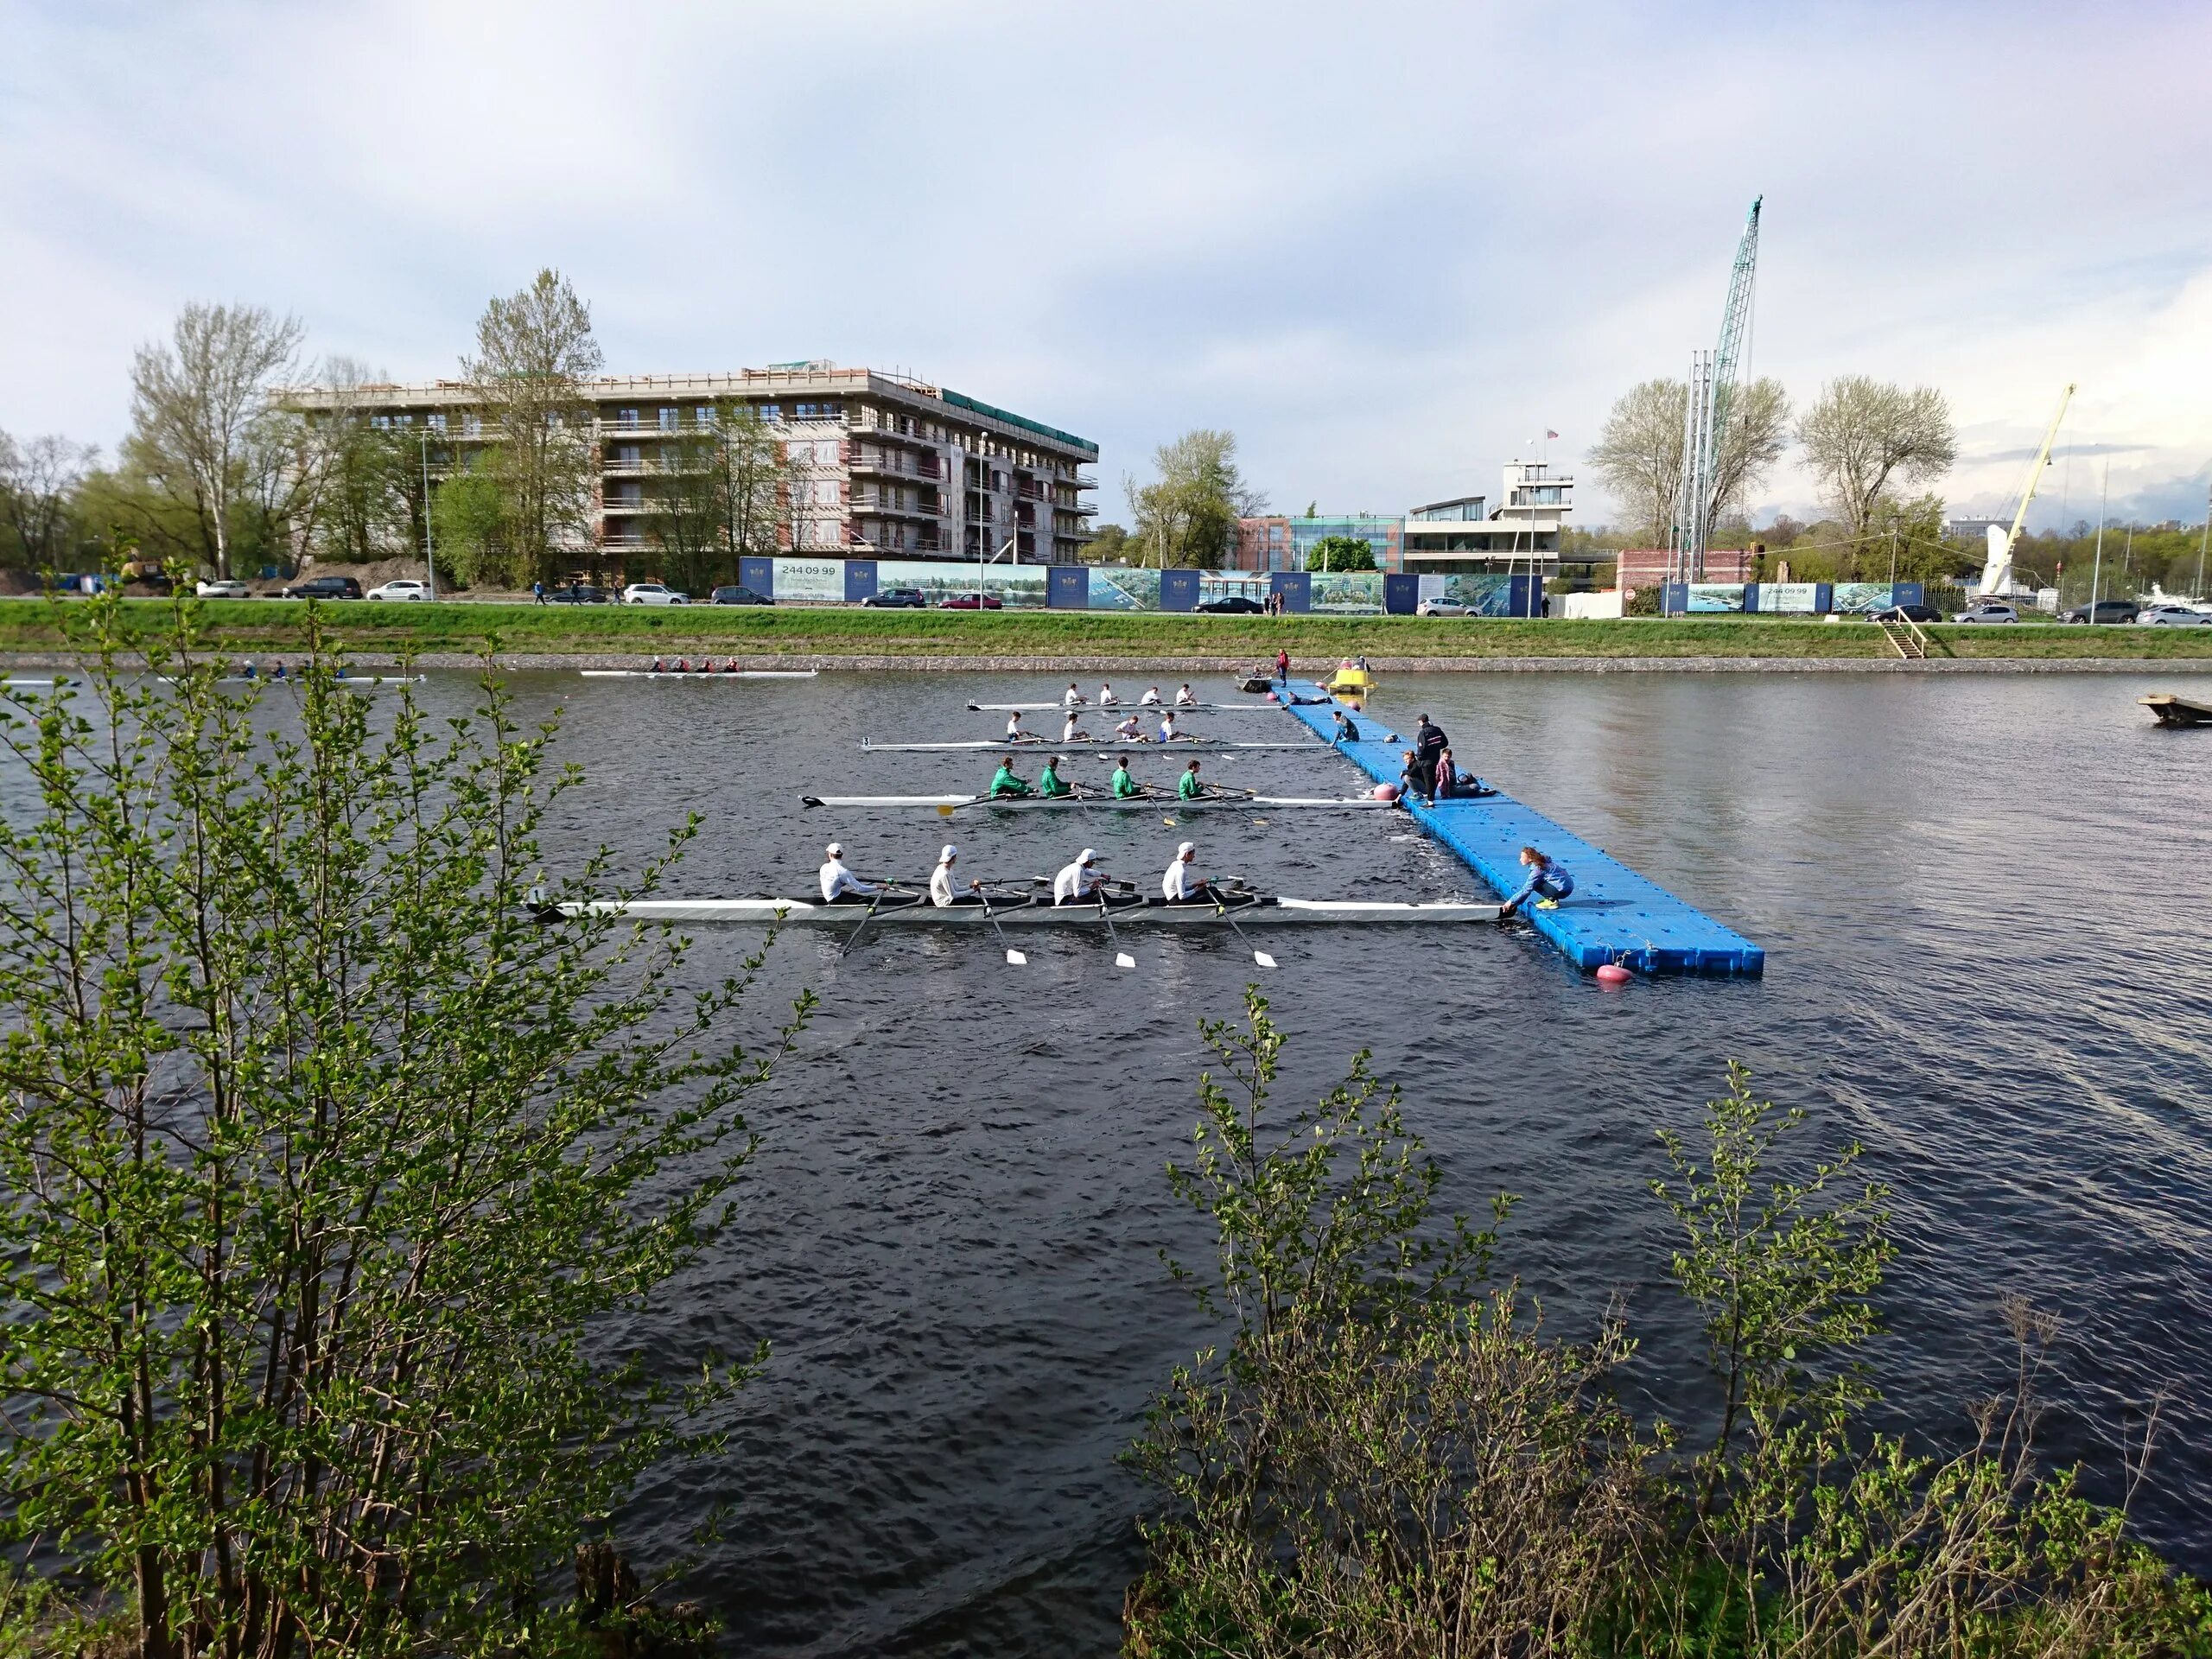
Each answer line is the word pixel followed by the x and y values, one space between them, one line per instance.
pixel 1465 536
pixel 875 465
pixel 1287 543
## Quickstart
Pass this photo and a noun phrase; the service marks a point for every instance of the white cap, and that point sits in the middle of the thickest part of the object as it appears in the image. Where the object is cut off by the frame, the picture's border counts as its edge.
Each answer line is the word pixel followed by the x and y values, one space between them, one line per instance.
pixel 836 849
pixel 1187 846
pixel 947 853
pixel 1086 856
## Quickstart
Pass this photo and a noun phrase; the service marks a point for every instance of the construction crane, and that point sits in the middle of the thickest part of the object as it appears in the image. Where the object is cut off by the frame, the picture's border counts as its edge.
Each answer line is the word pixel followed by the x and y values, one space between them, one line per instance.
pixel 1997 572
pixel 1705 408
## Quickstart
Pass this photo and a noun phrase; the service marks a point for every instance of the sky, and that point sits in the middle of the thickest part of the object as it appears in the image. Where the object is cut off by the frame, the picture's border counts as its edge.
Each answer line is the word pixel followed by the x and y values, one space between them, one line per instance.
pixel 1387 245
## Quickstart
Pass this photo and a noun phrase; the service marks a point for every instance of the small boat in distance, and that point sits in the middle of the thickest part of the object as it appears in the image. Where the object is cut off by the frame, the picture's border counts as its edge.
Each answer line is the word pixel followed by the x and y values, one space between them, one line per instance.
pixel 2171 710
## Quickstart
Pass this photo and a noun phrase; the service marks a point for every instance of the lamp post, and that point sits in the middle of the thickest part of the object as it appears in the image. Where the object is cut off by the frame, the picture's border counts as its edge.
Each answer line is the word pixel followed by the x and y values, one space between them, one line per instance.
pixel 430 543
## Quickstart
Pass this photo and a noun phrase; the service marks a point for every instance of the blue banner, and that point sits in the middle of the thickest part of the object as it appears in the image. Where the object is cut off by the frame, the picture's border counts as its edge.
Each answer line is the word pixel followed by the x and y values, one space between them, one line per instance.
pixel 1178 590
pixel 1400 593
pixel 1673 598
pixel 860 580
pixel 1068 587
pixel 1823 598
pixel 1908 593
pixel 1294 588
pixel 759 574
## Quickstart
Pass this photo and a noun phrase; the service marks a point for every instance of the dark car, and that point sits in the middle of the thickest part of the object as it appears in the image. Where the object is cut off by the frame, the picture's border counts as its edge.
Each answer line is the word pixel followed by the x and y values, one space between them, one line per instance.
pixel 970 602
pixel 897 599
pixel 2107 610
pixel 1906 613
pixel 1234 605
pixel 577 593
pixel 324 587
pixel 738 596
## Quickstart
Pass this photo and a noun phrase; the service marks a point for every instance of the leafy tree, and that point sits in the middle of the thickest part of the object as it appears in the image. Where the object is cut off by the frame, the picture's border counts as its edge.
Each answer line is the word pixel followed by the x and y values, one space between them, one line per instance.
pixel 1188 515
pixel 1108 544
pixel 319 1156
pixel 1342 553
pixel 1861 434
pixel 534 349
pixel 38 484
pixel 1640 458
pixel 369 503
pixel 1908 537
pixel 469 523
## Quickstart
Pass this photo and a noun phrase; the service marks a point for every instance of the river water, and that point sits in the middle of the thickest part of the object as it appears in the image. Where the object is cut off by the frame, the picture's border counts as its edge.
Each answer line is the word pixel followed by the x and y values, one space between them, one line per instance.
pixel 1986 903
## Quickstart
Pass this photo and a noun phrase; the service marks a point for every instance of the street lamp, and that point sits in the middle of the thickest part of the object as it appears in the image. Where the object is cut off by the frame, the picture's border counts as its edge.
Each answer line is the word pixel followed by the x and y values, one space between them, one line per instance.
pixel 430 543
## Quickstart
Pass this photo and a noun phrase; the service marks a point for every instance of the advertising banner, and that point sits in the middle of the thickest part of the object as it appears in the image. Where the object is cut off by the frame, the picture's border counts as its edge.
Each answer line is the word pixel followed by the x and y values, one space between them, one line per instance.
pixel 759 574
pixel 1709 596
pixel 1673 598
pixel 1178 590
pixel 1017 586
pixel 1908 593
pixel 1114 588
pixel 1783 598
pixel 822 580
pixel 1232 584
pixel 1487 595
pixel 1067 587
pixel 1345 593
pixel 1859 598
pixel 1296 587
pixel 1400 593
pixel 860 580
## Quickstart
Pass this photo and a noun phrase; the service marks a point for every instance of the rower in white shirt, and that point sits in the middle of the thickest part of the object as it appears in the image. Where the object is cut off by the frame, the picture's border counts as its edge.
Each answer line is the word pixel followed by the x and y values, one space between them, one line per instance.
pixel 1078 883
pixel 839 884
pixel 1071 729
pixel 1167 731
pixel 1151 698
pixel 1181 885
pixel 1185 698
pixel 1130 730
pixel 1072 698
pixel 943 894
pixel 1106 697
pixel 1016 733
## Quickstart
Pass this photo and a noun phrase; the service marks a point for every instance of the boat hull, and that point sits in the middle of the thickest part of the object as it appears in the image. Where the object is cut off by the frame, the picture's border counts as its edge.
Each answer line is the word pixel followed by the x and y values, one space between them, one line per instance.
pixel 699 674
pixel 2171 710
pixel 1181 745
pixel 1100 803
pixel 919 913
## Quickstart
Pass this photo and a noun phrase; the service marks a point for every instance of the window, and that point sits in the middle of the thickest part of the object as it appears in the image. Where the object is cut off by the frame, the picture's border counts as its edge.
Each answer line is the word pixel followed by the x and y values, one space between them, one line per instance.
pixel 705 415
pixel 626 417
pixel 771 411
pixel 803 411
pixel 668 417
pixel 382 422
pixel 825 453
pixel 437 423
pixel 471 426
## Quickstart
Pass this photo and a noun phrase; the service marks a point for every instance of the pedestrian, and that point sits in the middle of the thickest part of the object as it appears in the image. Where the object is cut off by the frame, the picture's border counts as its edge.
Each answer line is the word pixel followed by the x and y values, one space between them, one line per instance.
pixel 538 591
pixel 1283 666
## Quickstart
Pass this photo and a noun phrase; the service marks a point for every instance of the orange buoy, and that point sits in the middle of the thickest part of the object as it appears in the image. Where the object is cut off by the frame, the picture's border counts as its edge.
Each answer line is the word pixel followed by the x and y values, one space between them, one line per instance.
pixel 1612 974
pixel 1386 791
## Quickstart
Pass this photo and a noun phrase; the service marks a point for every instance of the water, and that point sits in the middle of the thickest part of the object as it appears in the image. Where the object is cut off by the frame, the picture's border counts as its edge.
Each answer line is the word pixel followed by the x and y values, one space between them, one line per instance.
pixel 1986 907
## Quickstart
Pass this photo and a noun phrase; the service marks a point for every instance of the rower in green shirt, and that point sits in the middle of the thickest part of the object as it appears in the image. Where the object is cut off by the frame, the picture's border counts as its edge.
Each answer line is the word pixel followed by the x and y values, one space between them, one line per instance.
pixel 1188 787
pixel 1007 781
pixel 1049 783
pixel 1126 788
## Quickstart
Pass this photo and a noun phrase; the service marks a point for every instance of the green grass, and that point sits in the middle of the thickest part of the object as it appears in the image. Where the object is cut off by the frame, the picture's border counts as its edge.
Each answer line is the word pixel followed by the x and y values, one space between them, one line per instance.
pixel 274 626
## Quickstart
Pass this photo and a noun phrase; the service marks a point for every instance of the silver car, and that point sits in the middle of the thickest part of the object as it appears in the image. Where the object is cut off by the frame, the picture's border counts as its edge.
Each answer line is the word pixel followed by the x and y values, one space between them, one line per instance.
pixel 1989 610
pixel 2173 616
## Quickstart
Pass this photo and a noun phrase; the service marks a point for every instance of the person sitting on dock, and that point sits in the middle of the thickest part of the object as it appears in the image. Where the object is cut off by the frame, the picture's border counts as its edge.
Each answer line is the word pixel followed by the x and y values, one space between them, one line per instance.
pixel 1181 885
pixel 839 884
pixel 1411 782
pixel 1072 698
pixel 1151 698
pixel 1185 698
pixel 1125 787
pixel 1006 782
pixel 1131 730
pixel 1451 781
pixel 1071 729
pixel 943 894
pixel 1078 883
pixel 1346 731
pixel 1050 784
pixel 1549 882
pixel 1187 787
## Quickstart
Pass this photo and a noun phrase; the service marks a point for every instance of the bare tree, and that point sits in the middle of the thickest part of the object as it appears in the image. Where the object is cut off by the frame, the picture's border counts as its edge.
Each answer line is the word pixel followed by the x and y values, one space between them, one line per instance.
pixel 196 399
pixel 37 482
pixel 1639 454
pixel 1863 433
pixel 534 349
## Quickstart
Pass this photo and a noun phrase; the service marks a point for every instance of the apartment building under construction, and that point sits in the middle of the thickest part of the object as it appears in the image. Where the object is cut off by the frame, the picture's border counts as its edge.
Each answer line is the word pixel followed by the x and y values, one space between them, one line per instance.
pixel 875 465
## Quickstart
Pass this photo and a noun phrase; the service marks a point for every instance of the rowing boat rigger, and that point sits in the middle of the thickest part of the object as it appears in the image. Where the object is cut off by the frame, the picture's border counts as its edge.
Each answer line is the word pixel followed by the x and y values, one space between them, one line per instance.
pixel 1086 745
pixel 1022 910
pixel 1161 800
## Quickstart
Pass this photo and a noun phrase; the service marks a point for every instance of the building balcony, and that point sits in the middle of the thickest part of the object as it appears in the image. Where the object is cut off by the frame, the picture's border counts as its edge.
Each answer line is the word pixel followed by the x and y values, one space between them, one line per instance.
pixel 627 505
pixel 890 465
pixel 882 509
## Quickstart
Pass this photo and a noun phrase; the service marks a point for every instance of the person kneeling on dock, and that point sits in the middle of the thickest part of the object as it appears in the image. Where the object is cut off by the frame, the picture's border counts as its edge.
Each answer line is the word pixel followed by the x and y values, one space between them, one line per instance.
pixel 1007 782
pixel 1050 784
pixel 943 894
pixel 839 884
pixel 1183 885
pixel 1549 882
pixel 1126 788
pixel 1078 883
pixel 1346 731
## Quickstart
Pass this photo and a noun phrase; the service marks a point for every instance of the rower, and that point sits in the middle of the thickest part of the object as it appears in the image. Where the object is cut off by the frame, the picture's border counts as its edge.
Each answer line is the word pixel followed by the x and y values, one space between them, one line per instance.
pixel 943 894
pixel 1050 784
pixel 1072 698
pixel 1185 698
pixel 1126 788
pixel 1346 731
pixel 839 884
pixel 1078 883
pixel 1016 733
pixel 1130 730
pixel 1181 885
pixel 730 667
pixel 1549 882
pixel 1008 783
pixel 250 672
pixel 1151 698
pixel 1188 787
pixel 1071 729
pixel 1106 697
pixel 684 664
pixel 658 667
pixel 276 672
pixel 1167 731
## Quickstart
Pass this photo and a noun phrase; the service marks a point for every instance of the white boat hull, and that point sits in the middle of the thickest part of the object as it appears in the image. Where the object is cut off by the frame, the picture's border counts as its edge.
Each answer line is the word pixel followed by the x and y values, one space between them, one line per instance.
pixel 1104 803
pixel 1117 709
pixel 1258 911
pixel 1039 745
pixel 699 674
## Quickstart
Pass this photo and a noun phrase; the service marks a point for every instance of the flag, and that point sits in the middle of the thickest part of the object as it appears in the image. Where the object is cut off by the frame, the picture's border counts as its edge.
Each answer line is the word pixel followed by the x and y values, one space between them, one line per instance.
pixel 1551 435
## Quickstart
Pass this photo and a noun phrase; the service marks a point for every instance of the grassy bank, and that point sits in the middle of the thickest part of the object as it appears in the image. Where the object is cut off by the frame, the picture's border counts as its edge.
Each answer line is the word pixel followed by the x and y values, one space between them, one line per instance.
pixel 274 625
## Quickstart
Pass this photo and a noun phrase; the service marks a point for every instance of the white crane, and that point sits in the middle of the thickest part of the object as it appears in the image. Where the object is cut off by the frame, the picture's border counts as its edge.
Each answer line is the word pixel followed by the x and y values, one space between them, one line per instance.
pixel 1997 573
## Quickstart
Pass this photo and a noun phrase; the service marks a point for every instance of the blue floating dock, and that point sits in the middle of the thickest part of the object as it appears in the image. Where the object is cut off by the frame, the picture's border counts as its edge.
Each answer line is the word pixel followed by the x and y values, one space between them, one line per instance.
pixel 1614 914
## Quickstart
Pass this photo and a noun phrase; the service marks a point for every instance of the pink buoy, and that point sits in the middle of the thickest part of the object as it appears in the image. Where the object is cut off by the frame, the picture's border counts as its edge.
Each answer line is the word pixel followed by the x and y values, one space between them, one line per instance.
pixel 1611 974
pixel 1386 791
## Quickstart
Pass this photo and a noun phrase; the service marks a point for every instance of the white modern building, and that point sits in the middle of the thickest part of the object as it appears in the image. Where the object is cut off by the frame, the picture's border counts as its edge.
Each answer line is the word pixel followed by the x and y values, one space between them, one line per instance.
pixel 1466 535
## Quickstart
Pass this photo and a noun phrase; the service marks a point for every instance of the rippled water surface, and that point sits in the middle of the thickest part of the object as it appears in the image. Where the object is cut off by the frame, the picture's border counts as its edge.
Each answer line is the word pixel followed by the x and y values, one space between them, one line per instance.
pixel 1987 903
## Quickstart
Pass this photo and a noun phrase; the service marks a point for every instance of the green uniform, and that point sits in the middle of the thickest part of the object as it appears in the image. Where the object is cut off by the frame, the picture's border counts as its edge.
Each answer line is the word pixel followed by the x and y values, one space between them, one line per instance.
pixel 1125 787
pixel 1006 782
pixel 1190 789
pixel 1050 785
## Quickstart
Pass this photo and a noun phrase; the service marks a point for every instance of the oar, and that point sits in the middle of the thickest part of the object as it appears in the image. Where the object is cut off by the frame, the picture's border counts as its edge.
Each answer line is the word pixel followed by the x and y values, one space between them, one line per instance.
pixel 1015 958
pixel 1121 958
pixel 881 893
pixel 1258 955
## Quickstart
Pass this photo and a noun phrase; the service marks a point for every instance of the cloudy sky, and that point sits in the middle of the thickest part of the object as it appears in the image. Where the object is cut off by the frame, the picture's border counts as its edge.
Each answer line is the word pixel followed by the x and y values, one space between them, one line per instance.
pixel 1384 244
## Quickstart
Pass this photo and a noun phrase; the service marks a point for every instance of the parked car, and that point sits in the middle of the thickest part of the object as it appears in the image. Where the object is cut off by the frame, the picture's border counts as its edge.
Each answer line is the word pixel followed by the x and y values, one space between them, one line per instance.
pixel 1989 610
pixel 324 587
pixel 2174 616
pixel 1234 605
pixel 1906 613
pixel 225 588
pixel 737 593
pixel 2105 610
pixel 970 602
pixel 577 593
pixel 1440 608
pixel 897 599
pixel 400 587
pixel 653 592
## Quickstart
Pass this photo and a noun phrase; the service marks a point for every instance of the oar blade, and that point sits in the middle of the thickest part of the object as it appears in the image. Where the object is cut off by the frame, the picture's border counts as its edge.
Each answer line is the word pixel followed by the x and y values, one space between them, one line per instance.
pixel 1264 959
pixel 1015 958
pixel 1123 959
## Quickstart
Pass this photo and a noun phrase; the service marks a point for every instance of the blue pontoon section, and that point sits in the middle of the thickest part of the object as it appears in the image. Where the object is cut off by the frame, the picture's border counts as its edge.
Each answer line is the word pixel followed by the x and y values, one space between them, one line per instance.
pixel 1615 915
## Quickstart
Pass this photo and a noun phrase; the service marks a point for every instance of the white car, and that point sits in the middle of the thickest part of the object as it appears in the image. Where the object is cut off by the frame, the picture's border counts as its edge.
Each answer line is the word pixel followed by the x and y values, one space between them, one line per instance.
pixel 1989 610
pixel 2173 616
pixel 652 592
pixel 400 587
pixel 223 589
pixel 1440 608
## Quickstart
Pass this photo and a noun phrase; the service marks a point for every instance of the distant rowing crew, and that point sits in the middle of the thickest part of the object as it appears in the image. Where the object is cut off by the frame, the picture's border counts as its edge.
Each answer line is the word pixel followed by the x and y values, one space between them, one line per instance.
pixel 1130 730
pixel 1007 785
pixel 1081 882
pixel 705 669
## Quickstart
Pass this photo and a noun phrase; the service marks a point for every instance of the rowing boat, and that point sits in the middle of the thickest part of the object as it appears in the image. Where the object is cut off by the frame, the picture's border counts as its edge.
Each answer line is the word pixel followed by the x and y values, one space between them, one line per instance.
pixel 699 673
pixel 1141 709
pixel 359 682
pixel 1019 911
pixel 1165 801
pixel 1083 745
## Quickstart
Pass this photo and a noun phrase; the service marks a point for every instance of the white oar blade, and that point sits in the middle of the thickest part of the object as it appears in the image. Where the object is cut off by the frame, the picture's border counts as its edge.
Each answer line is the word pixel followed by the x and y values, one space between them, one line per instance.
pixel 1015 958
pixel 1263 959
pixel 1123 959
